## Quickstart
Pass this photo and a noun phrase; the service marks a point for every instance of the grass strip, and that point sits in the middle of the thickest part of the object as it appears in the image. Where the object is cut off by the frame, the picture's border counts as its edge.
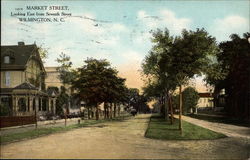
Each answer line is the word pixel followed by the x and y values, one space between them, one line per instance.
pixel 218 119
pixel 158 128
pixel 13 137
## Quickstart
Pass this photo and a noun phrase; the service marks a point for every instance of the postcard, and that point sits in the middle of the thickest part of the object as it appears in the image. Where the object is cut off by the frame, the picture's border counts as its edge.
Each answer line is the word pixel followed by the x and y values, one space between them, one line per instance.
pixel 107 79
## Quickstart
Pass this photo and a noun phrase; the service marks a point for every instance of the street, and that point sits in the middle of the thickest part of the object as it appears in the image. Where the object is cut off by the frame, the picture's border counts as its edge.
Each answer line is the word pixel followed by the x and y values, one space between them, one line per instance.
pixel 124 140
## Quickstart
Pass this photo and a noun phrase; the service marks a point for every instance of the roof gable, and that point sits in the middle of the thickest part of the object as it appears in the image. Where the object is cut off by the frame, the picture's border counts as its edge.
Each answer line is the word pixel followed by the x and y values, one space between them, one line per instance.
pixel 26 85
pixel 20 55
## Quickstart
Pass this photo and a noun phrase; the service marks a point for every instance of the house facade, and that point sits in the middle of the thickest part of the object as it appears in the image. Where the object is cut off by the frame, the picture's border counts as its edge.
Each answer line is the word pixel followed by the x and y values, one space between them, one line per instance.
pixel 205 100
pixel 22 87
pixel 52 79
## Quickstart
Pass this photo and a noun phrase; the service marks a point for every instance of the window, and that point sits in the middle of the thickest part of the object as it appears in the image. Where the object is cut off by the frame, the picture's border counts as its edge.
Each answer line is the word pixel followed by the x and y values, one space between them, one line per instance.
pixel 7 59
pixel 7 79
pixel 22 105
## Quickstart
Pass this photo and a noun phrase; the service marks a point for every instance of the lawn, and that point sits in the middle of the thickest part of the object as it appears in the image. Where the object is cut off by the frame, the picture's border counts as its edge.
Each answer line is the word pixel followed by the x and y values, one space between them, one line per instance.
pixel 45 131
pixel 220 119
pixel 158 128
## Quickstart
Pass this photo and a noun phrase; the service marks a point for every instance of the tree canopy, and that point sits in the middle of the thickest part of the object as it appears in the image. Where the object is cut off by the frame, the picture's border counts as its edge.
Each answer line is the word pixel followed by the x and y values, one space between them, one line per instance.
pixel 66 73
pixel 172 61
pixel 96 82
pixel 190 99
pixel 231 71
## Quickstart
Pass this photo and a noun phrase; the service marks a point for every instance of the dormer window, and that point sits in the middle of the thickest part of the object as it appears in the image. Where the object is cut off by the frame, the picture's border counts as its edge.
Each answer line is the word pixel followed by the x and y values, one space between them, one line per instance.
pixel 6 59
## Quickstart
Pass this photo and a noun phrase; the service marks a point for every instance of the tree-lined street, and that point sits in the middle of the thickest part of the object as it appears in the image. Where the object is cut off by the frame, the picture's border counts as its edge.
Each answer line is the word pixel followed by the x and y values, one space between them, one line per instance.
pixel 124 140
pixel 126 80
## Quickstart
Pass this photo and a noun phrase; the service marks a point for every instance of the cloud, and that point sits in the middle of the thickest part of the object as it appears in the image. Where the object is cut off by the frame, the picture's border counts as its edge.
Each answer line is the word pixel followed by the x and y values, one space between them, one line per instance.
pixel 145 18
pixel 164 18
pixel 173 23
pixel 223 28
pixel 143 38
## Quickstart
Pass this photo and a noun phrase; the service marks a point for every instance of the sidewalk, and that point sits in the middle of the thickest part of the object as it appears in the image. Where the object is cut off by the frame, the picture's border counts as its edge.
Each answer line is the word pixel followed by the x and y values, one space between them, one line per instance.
pixel 45 124
pixel 40 124
pixel 227 129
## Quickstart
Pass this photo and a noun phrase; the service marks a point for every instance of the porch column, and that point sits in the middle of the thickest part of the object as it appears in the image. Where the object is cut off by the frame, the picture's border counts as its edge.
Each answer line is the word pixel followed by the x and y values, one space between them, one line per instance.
pixel 49 104
pixel 37 99
pixel 31 103
pixel 41 104
pixel 16 108
pixel 13 105
pixel 54 105
pixel 27 103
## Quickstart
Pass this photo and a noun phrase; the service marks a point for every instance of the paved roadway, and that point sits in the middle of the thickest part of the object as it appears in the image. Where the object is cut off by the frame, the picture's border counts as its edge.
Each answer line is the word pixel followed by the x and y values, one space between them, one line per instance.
pixel 124 140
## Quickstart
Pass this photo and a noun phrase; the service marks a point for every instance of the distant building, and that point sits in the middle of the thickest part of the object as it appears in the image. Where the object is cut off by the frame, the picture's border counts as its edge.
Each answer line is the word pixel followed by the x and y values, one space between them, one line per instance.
pixel 52 78
pixel 22 87
pixel 205 100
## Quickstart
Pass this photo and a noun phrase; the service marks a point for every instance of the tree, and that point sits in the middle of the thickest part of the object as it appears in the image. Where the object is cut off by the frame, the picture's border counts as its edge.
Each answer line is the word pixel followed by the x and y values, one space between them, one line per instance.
pixel 96 82
pixel 43 52
pixel 62 101
pixel 173 61
pixel 190 57
pixel 190 99
pixel 4 110
pixel 156 68
pixel 65 70
pixel 67 74
pixel 233 74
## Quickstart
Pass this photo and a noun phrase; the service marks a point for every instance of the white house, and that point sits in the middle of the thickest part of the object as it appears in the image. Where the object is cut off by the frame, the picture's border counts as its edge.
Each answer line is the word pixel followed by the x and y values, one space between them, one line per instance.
pixel 206 100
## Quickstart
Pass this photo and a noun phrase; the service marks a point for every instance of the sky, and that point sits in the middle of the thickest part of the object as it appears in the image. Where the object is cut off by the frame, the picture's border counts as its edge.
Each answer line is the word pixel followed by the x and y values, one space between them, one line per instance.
pixel 118 31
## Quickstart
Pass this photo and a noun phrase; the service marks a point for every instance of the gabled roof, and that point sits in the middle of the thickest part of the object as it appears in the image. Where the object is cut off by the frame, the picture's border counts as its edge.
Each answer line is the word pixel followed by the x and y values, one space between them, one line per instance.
pixel 19 55
pixel 26 85
pixel 52 92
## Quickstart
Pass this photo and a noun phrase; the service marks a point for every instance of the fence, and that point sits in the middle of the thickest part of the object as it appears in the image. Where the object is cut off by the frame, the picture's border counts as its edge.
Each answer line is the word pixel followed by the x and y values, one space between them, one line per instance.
pixel 16 121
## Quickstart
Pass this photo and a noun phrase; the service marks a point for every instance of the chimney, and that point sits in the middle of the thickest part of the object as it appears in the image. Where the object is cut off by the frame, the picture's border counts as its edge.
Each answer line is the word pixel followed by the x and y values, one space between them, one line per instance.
pixel 21 43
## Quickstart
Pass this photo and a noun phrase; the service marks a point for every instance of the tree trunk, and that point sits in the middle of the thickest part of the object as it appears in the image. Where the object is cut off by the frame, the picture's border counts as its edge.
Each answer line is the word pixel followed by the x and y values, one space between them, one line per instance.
pixel 162 110
pixel 110 109
pixel 114 110
pixel 97 112
pixel 88 113
pixel 180 110
pixel 65 117
pixel 105 110
pixel 171 109
pixel 166 105
pixel 104 113
pixel 119 110
pixel 92 113
pixel 108 112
